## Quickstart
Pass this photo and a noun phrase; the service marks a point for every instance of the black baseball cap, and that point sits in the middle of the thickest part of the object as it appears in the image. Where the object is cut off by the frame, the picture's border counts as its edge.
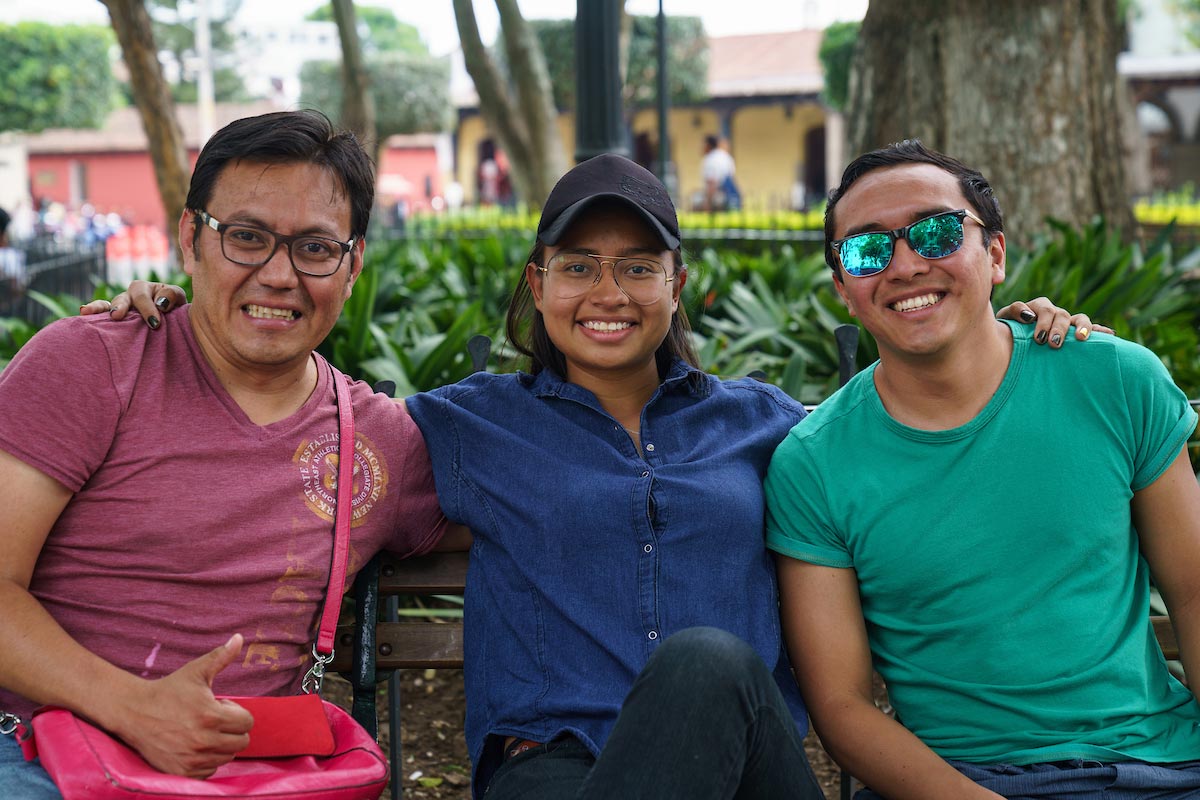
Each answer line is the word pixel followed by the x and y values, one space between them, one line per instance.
pixel 609 176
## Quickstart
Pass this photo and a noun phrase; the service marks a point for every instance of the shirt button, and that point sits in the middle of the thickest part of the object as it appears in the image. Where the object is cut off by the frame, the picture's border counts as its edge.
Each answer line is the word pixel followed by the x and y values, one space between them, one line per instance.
pixel 646 474
pixel 649 448
pixel 652 635
pixel 648 548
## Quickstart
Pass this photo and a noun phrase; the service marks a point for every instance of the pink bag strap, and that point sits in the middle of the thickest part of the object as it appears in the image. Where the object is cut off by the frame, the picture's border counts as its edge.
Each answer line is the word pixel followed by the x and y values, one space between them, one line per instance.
pixel 323 647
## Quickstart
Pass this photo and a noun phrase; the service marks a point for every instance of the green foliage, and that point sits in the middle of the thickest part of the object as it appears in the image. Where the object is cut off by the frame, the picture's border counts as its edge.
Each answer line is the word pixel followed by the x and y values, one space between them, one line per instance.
pixel 417 303
pixel 773 311
pixel 173 23
pixel 412 93
pixel 837 56
pixel 1145 294
pixel 557 38
pixel 385 33
pixel 55 76
pixel 687 60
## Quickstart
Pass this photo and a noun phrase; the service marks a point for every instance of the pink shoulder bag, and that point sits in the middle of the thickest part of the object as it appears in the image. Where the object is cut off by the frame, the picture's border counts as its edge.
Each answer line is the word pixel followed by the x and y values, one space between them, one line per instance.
pixel 300 746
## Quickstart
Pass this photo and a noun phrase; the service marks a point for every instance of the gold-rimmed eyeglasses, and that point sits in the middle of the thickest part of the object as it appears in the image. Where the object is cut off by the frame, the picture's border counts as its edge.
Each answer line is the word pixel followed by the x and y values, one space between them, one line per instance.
pixel 642 279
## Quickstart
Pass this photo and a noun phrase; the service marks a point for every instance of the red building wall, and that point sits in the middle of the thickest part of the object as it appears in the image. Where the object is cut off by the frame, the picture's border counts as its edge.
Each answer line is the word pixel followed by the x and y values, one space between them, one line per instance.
pixel 112 182
pixel 124 182
pixel 405 174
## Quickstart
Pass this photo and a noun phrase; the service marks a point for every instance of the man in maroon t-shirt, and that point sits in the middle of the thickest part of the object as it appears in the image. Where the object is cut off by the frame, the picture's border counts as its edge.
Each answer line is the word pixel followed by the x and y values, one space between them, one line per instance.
pixel 164 495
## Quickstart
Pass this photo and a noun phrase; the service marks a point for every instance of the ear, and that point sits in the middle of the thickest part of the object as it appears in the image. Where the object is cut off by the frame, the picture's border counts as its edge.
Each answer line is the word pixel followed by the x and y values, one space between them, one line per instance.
pixel 840 285
pixel 996 258
pixel 356 265
pixel 534 277
pixel 187 233
pixel 681 276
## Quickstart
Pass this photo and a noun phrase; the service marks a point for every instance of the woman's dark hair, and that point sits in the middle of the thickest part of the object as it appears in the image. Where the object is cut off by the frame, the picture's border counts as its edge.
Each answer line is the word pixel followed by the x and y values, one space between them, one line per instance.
pixel 527 334
pixel 974 186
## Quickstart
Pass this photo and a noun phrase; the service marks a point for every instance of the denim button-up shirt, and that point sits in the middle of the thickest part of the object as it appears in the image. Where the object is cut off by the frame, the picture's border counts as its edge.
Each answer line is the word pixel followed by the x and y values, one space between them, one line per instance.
pixel 588 554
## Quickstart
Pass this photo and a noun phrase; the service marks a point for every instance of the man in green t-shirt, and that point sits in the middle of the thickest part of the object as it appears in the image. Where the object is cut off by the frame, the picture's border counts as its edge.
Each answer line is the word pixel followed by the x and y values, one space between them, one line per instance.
pixel 981 526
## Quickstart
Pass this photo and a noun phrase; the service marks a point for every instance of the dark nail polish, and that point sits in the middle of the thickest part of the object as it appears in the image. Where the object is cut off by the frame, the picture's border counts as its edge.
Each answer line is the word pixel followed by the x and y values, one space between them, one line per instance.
pixel 1056 340
pixel 152 322
pixel 1028 316
pixel 1041 337
pixel 162 303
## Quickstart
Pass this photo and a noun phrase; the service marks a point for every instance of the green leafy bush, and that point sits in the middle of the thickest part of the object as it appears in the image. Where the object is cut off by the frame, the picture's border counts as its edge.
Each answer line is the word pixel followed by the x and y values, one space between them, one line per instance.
pixel 1146 295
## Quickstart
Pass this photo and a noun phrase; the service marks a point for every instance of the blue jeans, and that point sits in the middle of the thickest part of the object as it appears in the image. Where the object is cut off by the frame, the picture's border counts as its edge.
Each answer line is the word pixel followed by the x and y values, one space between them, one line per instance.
pixel 20 778
pixel 1081 780
pixel 704 720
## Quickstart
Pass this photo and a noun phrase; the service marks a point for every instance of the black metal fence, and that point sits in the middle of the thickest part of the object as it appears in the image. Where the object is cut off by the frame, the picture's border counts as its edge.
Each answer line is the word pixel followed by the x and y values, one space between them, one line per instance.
pixel 52 268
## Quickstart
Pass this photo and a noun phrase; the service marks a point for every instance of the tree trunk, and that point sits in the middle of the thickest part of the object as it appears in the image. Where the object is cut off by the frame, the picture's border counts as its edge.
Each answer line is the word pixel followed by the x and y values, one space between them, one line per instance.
pixel 535 99
pixel 527 128
pixel 153 97
pixel 1025 91
pixel 358 103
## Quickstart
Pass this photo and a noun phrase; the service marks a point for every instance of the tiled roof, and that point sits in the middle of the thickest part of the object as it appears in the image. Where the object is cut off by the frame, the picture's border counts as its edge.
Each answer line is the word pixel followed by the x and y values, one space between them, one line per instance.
pixel 765 63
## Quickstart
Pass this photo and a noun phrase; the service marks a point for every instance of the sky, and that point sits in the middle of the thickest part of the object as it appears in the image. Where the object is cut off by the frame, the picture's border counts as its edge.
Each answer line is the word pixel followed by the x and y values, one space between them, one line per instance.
pixel 435 18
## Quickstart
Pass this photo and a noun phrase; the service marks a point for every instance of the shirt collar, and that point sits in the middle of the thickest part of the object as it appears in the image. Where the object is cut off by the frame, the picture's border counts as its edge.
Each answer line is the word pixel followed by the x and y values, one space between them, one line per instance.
pixel 681 377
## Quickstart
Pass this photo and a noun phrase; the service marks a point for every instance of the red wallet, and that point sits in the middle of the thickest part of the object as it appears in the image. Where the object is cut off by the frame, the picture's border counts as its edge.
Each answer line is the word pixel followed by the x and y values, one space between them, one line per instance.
pixel 287 726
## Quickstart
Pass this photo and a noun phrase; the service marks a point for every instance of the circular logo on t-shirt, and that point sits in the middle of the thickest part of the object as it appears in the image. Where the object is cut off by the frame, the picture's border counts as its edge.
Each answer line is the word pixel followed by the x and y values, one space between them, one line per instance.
pixel 318 463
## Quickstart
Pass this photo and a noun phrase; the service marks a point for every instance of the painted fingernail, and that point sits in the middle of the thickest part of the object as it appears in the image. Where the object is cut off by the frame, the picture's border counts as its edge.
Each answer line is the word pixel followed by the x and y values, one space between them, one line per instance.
pixel 1028 316
pixel 1040 337
pixel 1084 333
pixel 162 303
pixel 1056 339
pixel 152 322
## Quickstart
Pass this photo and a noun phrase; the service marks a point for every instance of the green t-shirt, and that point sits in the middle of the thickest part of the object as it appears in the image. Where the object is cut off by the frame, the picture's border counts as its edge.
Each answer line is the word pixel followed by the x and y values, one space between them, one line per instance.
pixel 1005 598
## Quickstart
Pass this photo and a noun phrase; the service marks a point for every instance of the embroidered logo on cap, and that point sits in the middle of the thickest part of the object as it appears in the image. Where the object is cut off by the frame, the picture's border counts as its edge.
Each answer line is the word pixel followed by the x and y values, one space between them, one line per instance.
pixel 641 191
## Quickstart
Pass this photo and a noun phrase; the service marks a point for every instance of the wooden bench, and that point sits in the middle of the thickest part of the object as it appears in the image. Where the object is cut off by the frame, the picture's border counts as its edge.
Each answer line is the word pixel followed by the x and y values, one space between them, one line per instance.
pixel 373 643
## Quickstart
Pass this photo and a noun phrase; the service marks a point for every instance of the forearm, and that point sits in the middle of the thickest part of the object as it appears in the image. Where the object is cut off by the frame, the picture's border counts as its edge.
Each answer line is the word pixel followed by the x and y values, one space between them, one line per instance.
pixel 1185 619
pixel 174 722
pixel 886 756
pixel 42 663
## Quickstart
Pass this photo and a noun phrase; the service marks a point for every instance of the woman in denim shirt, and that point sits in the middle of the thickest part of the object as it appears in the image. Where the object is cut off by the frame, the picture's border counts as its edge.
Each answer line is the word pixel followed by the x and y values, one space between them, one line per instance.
pixel 622 633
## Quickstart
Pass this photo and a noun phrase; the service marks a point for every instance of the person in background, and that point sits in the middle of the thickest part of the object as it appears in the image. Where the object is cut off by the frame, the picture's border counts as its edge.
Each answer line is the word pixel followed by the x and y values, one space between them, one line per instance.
pixel 13 277
pixel 721 191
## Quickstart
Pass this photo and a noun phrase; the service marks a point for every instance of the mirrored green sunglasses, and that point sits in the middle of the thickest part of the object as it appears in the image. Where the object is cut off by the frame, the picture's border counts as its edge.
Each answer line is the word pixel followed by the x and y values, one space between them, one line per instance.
pixel 870 253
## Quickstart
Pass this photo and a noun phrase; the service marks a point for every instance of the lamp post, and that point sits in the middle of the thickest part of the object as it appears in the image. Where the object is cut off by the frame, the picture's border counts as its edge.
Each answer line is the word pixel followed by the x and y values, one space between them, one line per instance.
pixel 599 116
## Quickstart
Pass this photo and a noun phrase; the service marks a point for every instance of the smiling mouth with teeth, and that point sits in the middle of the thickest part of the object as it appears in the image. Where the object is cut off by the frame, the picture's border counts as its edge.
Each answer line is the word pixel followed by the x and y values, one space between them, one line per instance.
pixel 262 312
pixel 596 325
pixel 916 303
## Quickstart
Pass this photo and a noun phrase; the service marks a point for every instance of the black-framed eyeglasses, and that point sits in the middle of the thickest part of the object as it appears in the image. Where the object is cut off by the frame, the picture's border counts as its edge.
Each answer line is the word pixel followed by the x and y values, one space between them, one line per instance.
pixel 936 236
pixel 251 246
pixel 570 275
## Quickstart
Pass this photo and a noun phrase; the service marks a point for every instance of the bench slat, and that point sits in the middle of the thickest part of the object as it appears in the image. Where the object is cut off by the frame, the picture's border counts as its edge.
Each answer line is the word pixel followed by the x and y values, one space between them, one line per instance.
pixel 407 645
pixel 434 573
pixel 1166 637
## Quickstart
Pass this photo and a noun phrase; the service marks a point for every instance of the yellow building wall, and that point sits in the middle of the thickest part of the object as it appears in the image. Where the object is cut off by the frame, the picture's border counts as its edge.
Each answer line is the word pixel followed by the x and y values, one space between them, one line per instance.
pixel 472 131
pixel 767 144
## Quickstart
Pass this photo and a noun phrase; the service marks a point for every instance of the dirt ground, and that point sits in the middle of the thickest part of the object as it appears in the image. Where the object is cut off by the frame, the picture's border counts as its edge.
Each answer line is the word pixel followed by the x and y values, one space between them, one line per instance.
pixel 435 763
